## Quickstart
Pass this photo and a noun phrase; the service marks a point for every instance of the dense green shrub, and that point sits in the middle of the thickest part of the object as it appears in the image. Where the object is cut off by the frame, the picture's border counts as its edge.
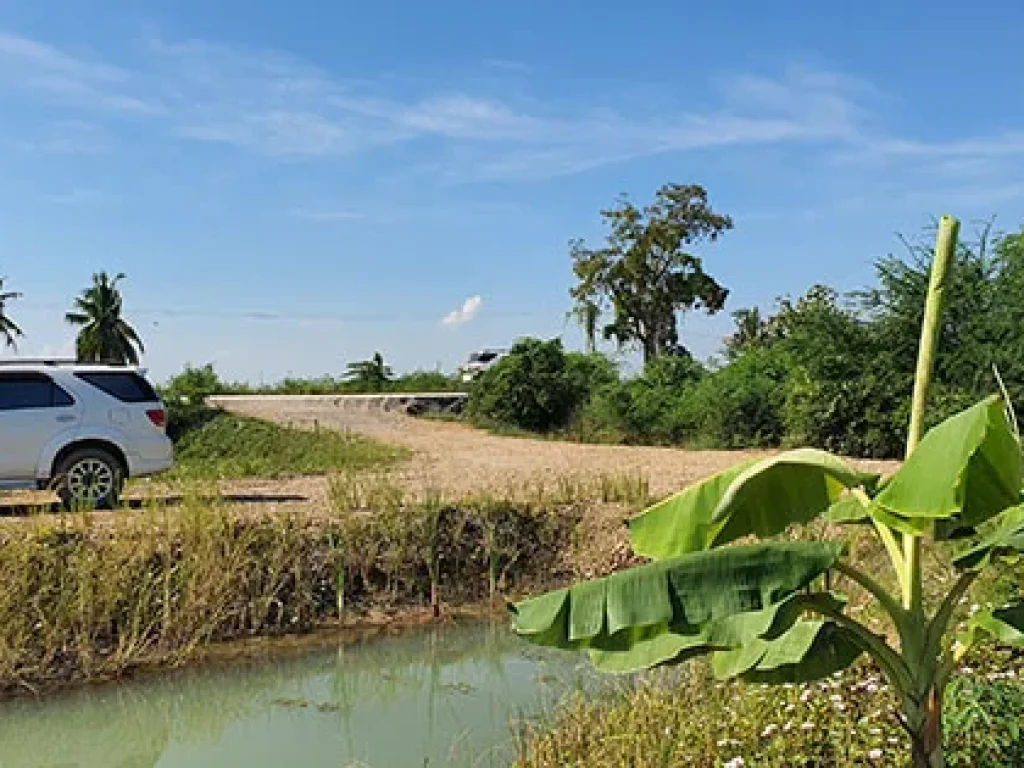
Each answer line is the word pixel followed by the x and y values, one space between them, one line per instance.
pixel 739 405
pixel 530 388
pixel 634 411
pixel 185 396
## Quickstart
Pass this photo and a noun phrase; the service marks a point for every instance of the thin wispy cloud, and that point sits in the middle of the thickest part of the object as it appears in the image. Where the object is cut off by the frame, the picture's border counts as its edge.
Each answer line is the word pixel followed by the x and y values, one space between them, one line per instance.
pixel 68 137
pixel 34 66
pixel 508 65
pixel 277 105
pixel 78 197
pixel 326 215
pixel 464 314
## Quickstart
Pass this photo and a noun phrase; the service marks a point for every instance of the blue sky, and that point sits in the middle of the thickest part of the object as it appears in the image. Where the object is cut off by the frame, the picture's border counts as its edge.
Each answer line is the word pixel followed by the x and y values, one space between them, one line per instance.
pixel 291 186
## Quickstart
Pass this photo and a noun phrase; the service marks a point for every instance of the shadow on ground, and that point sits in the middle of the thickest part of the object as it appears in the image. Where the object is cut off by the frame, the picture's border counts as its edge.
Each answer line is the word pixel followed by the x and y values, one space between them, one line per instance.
pixel 22 504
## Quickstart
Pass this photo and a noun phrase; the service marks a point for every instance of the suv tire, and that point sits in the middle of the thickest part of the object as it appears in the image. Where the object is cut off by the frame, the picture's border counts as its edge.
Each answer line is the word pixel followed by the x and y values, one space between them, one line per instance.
pixel 89 478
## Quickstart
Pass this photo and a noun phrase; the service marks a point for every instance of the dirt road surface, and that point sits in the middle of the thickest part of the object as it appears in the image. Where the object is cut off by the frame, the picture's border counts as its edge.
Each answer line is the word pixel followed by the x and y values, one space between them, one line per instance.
pixel 459 459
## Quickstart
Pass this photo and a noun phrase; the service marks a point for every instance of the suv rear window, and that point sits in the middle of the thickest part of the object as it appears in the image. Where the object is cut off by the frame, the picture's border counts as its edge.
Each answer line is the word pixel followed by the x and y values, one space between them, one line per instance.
pixel 20 391
pixel 126 387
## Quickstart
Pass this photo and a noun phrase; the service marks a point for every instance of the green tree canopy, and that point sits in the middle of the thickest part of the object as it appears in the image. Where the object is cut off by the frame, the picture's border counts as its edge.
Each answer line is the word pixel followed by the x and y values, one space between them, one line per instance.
pixel 9 331
pixel 104 336
pixel 646 275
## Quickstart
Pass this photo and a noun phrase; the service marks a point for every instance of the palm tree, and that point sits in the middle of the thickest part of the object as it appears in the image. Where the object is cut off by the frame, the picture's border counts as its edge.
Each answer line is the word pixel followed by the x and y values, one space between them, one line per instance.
pixel 9 331
pixel 104 337
pixel 369 375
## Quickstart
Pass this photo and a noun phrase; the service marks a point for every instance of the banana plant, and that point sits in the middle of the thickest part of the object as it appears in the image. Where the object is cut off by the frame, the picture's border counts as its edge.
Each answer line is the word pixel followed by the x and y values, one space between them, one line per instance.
pixel 727 579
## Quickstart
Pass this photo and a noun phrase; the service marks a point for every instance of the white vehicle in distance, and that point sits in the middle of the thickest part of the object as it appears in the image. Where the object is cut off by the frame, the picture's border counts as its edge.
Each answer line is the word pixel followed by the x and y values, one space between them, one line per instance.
pixel 80 429
pixel 480 362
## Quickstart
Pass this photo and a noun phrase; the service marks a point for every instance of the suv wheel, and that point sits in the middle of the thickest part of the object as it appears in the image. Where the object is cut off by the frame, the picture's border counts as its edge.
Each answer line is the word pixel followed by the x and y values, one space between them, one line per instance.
pixel 89 478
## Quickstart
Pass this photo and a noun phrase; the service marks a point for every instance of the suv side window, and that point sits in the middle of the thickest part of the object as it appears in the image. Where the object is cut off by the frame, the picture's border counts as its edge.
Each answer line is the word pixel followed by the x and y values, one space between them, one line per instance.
pixel 126 387
pixel 20 391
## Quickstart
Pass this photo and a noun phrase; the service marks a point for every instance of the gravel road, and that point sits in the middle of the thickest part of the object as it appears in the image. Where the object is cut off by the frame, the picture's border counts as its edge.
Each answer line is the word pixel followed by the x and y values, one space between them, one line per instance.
pixel 459 459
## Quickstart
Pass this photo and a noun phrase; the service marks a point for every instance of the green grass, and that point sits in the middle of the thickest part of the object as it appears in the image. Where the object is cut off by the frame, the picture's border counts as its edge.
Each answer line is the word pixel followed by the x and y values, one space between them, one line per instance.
pixel 681 717
pixel 223 445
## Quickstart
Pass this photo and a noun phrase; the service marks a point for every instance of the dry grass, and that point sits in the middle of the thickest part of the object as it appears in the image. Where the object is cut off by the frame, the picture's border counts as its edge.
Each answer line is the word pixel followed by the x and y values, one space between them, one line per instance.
pixel 94 595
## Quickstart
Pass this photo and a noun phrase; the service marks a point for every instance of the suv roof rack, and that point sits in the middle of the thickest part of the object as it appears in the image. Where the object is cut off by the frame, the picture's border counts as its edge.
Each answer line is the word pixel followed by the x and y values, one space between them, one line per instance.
pixel 53 362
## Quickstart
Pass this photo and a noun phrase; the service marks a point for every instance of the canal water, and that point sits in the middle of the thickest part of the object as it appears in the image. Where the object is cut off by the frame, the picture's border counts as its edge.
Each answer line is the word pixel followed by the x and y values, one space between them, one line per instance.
pixel 434 697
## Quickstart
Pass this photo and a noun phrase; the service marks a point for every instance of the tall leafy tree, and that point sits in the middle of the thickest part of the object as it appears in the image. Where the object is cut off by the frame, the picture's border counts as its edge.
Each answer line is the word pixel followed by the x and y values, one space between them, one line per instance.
pixel 646 274
pixel 369 375
pixel 9 331
pixel 104 336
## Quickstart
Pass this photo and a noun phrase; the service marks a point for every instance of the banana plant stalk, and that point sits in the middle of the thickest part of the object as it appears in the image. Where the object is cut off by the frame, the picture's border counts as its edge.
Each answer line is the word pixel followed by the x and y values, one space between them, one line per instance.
pixel 751 607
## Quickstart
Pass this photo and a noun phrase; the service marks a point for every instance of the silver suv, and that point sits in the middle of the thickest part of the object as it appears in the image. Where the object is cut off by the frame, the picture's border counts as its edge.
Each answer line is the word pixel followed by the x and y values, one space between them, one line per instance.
pixel 79 429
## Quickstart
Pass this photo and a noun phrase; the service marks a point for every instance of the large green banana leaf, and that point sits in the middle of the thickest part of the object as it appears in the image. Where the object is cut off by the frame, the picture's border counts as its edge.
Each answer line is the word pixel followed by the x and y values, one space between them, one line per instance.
pixel 966 470
pixel 1001 535
pixel 760 498
pixel 808 650
pixel 657 613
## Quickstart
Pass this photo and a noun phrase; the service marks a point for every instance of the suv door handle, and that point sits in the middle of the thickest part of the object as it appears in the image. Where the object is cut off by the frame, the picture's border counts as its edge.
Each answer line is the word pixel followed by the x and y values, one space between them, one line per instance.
pixel 66 418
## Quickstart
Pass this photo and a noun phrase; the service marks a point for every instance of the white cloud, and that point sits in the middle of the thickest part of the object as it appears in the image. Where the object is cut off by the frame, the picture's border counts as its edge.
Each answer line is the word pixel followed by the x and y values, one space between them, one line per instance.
pixel 469 309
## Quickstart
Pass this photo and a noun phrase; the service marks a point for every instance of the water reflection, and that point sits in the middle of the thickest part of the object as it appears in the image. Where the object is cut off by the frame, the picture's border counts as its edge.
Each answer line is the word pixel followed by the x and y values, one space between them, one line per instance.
pixel 440 696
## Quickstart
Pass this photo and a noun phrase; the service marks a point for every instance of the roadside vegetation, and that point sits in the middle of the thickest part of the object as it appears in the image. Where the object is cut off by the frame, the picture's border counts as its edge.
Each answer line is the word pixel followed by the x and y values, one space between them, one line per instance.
pixel 224 445
pixel 826 370
pixel 684 717
pixel 210 443
pixel 363 377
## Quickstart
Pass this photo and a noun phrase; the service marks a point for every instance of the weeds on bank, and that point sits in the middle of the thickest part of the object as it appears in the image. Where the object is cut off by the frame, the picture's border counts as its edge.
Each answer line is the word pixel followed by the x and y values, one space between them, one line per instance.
pixel 682 717
pixel 398 545
pixel 90 596
pixel 225 445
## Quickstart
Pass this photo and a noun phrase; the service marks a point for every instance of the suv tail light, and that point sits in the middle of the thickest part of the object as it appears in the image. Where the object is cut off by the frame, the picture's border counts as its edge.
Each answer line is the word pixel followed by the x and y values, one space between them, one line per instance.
pixel 158 417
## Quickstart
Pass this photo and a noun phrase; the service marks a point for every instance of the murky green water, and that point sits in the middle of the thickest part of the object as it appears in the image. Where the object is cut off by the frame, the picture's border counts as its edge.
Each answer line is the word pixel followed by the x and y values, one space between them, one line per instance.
pixel 443 696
